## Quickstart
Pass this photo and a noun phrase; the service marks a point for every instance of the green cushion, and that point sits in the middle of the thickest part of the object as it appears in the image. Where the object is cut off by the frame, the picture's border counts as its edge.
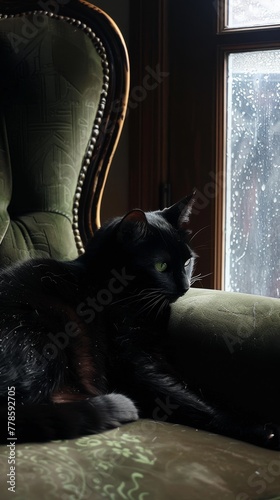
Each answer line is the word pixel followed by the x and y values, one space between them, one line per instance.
pixel 38 234
pixel 227 345
pixel 143 460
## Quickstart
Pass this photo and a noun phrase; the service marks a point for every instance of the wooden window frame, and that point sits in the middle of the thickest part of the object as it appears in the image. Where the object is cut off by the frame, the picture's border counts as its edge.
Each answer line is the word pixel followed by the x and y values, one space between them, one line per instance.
pixel 231 40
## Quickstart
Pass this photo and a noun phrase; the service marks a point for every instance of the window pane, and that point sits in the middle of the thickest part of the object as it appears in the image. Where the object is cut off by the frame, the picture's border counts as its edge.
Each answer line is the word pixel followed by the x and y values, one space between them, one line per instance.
pixel 252 232
pixel 243 13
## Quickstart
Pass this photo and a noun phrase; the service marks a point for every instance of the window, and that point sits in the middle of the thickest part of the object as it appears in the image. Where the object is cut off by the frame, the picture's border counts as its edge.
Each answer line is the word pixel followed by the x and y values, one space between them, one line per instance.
pixel 249 129
pixel 252 13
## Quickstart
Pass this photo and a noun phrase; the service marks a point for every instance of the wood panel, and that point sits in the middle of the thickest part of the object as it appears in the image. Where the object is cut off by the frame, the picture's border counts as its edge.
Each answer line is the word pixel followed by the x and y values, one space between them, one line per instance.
pixel 192 43
pixel 148 104
pixel 173 127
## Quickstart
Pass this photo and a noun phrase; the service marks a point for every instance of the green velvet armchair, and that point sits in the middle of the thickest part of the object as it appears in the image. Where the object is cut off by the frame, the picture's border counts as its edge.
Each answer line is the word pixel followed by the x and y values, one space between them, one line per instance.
pixel 64 86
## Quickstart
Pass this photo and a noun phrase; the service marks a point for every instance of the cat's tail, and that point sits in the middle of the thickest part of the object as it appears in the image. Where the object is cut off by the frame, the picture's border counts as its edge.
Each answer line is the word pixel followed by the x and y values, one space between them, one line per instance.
pixel 46 422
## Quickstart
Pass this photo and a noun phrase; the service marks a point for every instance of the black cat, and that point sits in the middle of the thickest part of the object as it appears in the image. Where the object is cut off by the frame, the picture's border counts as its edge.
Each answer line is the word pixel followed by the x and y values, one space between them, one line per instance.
pixel 82 342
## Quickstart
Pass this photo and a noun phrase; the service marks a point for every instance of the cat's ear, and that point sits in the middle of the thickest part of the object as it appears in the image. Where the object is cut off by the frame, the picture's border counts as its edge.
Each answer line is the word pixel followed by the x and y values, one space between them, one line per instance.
pixel 178 214
pixel 133 226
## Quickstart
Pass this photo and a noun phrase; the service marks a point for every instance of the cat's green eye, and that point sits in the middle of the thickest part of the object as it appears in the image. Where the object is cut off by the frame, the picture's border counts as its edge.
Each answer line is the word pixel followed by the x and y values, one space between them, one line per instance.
pixel 161 266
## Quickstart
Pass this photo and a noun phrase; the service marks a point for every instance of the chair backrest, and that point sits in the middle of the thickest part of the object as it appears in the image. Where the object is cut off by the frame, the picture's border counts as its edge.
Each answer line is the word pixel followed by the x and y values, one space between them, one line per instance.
pixel 64 79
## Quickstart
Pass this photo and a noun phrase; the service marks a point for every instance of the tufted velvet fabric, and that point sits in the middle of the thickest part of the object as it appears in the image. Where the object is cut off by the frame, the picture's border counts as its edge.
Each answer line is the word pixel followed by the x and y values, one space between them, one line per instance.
pixel 57 82
pixel 47 115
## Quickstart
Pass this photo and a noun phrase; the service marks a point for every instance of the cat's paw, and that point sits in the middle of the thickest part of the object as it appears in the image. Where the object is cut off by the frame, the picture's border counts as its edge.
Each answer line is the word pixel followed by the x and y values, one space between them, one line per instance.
pixel 115 410
pixel 121 407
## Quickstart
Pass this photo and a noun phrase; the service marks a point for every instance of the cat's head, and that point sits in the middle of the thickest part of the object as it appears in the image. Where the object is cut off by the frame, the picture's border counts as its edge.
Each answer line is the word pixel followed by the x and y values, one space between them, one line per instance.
pixel 154 248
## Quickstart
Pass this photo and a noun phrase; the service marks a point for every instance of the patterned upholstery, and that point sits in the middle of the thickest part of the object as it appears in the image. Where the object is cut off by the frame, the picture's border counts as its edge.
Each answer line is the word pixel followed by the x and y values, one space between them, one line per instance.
pixel 144 461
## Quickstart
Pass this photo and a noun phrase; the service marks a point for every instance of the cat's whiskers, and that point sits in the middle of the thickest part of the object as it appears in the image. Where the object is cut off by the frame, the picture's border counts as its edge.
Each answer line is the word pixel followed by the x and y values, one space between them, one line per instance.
pixel 139 296
pixel 133 298
pixel 164 304
pixel 197 232
pixel 147 298
pixel 153 299
pixel 150 302
pixel 198 277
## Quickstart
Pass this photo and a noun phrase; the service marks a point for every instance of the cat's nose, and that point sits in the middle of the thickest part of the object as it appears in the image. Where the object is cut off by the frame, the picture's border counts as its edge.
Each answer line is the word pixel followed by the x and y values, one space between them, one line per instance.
pixel 186 285
pixel 182 286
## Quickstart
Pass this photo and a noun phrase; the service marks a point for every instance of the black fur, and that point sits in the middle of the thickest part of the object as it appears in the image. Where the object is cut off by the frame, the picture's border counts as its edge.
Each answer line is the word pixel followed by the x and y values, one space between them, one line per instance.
pixel 82 342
